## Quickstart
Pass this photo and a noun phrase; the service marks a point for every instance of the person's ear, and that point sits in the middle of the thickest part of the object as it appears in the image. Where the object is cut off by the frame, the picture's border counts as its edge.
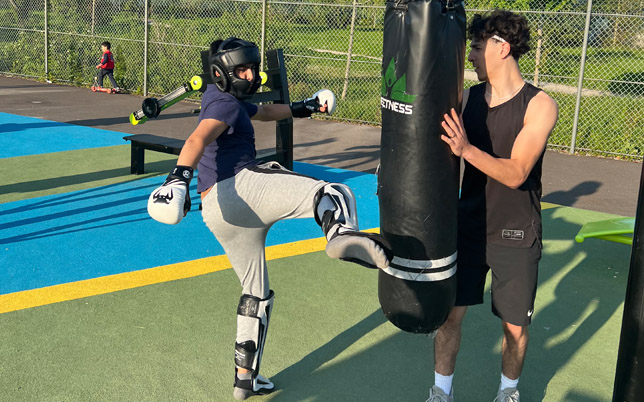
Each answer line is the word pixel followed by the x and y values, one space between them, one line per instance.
pixel 505 50
pixel 217 74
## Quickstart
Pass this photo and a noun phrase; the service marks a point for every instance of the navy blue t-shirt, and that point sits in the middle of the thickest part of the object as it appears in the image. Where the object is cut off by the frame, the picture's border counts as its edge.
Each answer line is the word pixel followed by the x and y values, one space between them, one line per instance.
pixel 234 149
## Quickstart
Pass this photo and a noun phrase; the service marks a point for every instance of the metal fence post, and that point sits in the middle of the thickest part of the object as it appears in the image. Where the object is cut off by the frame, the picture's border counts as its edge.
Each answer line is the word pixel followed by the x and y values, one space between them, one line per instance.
pixel 145 48
pixel 93 16
pixel 584 48
pixel 263 40
pixel 46 40
pixel 351 33
pixel 537 55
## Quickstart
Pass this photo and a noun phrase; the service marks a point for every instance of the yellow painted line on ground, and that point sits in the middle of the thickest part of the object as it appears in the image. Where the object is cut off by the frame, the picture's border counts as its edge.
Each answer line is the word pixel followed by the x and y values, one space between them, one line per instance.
pixel 129 280
pixel 112 283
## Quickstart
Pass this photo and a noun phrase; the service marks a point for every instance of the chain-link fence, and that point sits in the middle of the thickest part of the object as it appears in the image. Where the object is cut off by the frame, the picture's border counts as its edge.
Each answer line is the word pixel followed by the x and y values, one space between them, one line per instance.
pixel 590 60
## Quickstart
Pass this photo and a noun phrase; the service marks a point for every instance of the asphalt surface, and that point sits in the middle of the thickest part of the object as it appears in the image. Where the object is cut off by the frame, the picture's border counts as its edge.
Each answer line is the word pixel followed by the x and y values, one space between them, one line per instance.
pixel 598 184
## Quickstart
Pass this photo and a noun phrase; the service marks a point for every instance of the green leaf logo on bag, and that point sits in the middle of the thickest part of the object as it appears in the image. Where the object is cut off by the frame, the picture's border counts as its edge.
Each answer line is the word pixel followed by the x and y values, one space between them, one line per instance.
pixel 399 100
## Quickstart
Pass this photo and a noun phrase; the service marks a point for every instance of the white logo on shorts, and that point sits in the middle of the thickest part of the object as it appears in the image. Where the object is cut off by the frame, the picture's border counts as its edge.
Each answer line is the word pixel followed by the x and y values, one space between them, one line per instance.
pixel 530 313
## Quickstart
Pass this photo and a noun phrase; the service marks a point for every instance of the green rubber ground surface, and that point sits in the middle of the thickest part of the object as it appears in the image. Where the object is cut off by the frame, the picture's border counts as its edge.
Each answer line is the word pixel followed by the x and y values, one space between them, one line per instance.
pixel 61 172
pixel 328 340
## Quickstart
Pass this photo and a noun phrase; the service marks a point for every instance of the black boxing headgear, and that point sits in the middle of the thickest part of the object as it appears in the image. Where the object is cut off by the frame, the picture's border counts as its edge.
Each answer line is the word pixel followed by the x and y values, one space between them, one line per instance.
pixel 225 58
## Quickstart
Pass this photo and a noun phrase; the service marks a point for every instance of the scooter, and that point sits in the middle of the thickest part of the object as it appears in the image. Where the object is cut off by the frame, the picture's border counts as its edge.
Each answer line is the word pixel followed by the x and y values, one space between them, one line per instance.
pixel 97 88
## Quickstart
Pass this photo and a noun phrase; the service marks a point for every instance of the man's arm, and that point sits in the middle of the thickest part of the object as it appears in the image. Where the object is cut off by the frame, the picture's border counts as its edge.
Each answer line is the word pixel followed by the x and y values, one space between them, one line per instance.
pixel 206 132
pixel 539 121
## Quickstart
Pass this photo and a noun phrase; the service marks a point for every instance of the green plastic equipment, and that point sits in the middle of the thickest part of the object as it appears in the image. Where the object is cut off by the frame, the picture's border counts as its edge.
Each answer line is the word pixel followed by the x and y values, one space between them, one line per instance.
pixel 618 230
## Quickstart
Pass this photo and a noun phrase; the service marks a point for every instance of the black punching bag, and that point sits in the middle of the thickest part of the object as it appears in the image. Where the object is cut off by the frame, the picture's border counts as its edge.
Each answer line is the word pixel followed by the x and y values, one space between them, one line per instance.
pixel 418 181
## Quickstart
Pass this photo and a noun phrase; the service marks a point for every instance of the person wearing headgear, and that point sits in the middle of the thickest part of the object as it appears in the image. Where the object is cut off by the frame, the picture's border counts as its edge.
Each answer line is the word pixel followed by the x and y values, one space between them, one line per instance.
pixel 242 198
pixel 501 136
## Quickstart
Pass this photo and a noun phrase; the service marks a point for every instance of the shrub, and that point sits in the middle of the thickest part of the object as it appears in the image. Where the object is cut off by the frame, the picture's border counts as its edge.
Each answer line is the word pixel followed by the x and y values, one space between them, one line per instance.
pixel 628 84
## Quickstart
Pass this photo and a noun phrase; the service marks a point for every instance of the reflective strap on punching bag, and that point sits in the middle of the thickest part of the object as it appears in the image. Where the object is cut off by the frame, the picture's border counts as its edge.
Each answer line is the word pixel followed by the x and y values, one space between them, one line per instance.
pixel 422 270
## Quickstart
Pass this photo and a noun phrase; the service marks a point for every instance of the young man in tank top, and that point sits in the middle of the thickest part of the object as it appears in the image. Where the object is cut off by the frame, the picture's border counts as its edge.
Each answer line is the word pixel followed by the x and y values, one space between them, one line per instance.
pixel 501 136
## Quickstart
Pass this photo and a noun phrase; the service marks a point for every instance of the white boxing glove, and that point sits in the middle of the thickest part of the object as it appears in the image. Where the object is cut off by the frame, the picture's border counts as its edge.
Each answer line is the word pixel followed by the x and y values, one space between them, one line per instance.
pixel 326 96
pixel 313 104
pixel 171 202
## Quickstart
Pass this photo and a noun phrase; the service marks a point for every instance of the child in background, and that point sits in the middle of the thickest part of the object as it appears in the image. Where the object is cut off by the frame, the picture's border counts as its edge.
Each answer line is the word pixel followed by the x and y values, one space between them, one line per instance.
pixel 106 66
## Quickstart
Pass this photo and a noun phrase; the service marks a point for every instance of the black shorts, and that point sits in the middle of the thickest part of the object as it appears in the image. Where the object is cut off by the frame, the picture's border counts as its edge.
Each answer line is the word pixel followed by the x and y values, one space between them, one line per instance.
pixel 514 281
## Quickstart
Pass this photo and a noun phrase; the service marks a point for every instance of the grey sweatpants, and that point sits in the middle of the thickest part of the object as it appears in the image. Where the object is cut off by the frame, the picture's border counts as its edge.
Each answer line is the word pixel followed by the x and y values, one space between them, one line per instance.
pixel 240 210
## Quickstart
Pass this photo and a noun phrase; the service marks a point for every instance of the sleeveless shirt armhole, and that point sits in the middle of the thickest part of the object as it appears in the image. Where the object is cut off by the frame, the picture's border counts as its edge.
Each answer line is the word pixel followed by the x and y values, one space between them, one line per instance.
pixel 466 97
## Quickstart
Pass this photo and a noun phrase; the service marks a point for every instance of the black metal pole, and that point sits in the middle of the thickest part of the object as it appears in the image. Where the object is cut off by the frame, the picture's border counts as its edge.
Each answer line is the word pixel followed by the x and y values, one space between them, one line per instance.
pixel 629 375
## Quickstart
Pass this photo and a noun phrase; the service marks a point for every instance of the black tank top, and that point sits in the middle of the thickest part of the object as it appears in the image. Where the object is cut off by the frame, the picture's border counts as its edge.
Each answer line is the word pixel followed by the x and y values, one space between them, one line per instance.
pixel 488 210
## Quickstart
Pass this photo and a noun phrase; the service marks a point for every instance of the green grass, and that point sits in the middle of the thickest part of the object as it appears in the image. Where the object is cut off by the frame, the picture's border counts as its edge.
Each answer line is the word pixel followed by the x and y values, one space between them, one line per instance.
pixel 608 125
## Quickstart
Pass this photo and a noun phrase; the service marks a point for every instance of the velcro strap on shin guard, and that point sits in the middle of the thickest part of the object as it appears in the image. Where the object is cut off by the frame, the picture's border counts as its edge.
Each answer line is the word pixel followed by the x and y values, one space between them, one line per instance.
pixel 245 354
pixel 253 316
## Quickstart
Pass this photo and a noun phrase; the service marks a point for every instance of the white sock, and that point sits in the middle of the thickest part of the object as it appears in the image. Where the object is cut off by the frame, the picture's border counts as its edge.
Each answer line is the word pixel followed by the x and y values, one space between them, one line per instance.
pixel 245 376
pixel 508 383
pixel 443 382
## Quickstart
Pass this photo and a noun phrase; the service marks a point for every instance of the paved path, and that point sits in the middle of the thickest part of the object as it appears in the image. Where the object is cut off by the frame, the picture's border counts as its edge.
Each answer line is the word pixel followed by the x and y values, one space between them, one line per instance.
pixel 598 184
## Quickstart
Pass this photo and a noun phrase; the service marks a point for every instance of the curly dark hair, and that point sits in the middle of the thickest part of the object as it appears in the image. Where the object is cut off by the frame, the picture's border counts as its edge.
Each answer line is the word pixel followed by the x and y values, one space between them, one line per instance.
pixel 512 27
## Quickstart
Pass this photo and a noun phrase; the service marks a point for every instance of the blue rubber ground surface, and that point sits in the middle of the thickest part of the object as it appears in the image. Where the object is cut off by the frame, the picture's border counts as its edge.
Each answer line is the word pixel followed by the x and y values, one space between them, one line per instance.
pixel 20 136
pixel 106 230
